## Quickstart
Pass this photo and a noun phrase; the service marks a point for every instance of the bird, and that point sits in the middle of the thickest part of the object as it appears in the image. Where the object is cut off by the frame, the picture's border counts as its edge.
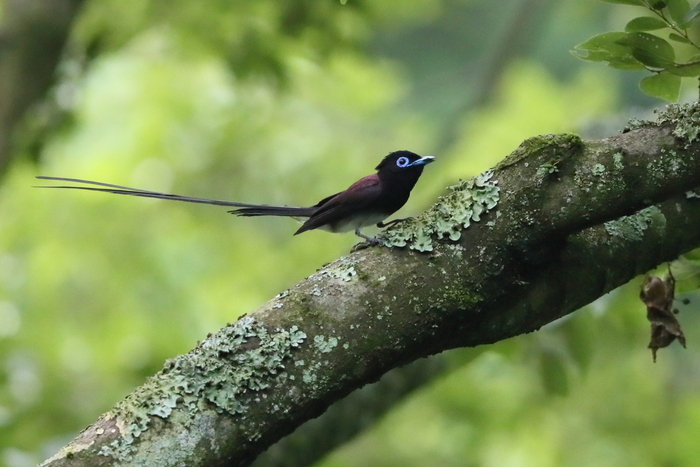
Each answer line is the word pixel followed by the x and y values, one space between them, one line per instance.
pixel 366 202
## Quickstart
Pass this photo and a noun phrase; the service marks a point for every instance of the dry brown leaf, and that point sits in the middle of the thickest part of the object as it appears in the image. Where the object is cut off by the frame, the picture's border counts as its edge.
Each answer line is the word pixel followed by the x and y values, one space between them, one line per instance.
pixel 658 295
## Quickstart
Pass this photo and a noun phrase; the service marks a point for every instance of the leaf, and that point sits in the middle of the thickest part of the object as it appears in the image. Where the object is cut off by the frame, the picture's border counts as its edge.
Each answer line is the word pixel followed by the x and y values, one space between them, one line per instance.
pixel 692 14
pixel 645 23
pixel 658 296
pixel 626 64
pixel 604 48
pixel 649 49
pixel 625 2
pixel 663 85
pixel 678 9
pixel 605 41
pixel 678 38
pixel 686 69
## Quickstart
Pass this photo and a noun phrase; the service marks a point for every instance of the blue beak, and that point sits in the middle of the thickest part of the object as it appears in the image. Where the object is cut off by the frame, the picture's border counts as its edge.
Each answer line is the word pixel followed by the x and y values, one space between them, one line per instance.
pixel 423 160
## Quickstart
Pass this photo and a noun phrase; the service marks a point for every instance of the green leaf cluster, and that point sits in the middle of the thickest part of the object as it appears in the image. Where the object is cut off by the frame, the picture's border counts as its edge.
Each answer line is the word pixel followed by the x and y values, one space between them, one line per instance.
pixel 637 49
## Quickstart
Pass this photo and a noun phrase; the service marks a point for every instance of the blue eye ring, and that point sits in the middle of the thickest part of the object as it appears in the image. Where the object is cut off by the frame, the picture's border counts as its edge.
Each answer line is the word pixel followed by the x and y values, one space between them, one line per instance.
pixel 402 162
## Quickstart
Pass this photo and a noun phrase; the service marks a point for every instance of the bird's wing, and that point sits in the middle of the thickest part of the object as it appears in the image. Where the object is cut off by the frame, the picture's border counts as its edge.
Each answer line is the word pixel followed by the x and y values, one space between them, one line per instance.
pixel 359 197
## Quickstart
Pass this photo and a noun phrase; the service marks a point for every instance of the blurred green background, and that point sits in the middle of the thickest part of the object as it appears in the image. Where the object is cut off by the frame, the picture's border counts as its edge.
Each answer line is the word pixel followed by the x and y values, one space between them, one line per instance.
pixel 278 102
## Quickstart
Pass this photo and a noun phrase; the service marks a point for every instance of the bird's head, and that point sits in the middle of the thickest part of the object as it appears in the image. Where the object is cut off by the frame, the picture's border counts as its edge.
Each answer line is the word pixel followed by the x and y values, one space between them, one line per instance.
pixel 403 161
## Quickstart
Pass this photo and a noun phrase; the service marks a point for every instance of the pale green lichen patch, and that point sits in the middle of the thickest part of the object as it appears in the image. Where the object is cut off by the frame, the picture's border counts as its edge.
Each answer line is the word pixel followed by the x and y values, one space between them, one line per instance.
pixel 240 359
pixel 465 204
pixel 598 170
pixel 343 269
pixel 685 118
pixel 633 227
pixel 617 161
pixel 324 345
pixel 309 376
pixel 313 374
pixel 345 273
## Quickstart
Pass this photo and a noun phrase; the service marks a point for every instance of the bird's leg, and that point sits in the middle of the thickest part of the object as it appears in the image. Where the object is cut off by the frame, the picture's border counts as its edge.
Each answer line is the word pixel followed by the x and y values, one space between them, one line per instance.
pixel 381 225
pixel 370 240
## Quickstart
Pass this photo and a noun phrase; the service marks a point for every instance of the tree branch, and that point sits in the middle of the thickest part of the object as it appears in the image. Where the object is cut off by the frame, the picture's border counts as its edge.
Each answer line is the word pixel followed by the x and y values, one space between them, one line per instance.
pixel 556 240
pixel 32 37
pixel 349 416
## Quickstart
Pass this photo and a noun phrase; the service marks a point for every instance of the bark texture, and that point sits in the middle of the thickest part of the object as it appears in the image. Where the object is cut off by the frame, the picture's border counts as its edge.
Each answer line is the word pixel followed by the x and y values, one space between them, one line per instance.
pixel 573 220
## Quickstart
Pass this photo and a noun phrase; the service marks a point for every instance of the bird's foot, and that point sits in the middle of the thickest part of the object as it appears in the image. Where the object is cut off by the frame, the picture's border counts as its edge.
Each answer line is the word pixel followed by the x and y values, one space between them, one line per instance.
pixel 369 241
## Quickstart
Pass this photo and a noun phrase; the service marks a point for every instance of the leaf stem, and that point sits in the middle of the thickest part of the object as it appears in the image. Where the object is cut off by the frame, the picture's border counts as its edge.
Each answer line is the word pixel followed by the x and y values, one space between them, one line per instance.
pixel 681 32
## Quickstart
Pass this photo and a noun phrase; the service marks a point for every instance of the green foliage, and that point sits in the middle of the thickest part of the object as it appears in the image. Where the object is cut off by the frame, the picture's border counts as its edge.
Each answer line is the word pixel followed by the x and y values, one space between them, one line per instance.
pixel 651 51
pixel 253 36
pixel 261 101
pixel 663 85
pixel 96 292
pixel 637 49
pixel 644 23
pixel 626 2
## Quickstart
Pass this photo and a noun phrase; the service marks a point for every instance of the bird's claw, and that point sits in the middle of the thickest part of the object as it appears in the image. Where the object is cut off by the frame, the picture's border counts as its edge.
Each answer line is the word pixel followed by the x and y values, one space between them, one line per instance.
pixel 366 244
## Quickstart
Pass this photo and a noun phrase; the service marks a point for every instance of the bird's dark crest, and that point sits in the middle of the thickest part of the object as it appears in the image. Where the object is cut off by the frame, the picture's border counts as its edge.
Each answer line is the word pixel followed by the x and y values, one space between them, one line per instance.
pixel 394 156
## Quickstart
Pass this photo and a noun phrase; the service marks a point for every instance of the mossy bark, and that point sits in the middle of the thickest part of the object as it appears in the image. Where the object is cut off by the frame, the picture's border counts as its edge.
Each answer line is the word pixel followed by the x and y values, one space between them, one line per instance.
pixel 555 241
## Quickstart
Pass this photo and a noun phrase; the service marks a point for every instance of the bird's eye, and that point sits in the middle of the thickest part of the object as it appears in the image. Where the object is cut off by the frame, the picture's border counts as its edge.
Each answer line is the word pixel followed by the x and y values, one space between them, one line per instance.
pixel 402 161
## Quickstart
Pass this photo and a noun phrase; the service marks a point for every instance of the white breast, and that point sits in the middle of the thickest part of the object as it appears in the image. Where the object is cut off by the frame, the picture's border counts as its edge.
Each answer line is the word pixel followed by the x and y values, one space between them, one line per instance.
pixel 357 222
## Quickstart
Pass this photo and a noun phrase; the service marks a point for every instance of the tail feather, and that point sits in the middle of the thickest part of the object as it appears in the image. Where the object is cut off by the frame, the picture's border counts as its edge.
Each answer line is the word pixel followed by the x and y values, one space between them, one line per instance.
pixel 246 209
pixel 264 210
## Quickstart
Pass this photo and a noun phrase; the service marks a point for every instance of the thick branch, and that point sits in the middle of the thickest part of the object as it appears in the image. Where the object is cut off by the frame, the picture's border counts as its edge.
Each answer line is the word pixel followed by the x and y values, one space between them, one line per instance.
pixel 32 37
pixel 554 242
pixel 349 416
